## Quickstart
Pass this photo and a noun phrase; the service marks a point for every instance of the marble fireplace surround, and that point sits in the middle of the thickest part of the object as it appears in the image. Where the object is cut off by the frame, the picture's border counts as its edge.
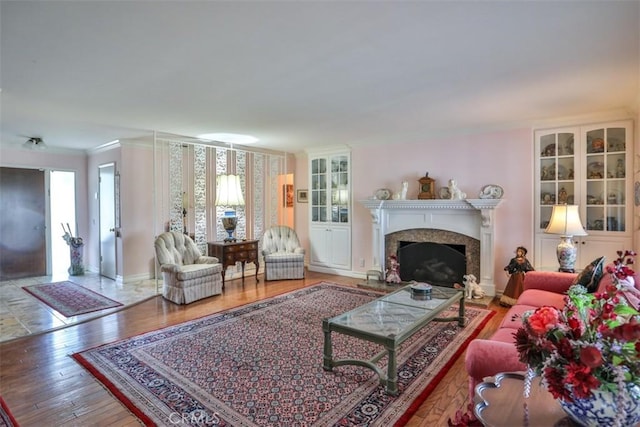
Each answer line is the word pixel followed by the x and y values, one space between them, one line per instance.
pixel 465 221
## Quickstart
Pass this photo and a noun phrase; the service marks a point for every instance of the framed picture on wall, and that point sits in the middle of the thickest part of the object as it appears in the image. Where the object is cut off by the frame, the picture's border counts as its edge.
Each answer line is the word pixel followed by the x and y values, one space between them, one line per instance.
pixel 287 195
pixel 303 196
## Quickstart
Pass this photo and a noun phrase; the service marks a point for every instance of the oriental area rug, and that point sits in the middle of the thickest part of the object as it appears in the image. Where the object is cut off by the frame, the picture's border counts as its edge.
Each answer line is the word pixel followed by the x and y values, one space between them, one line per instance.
pixel 6 418
pixel 70 299
pixel 261 365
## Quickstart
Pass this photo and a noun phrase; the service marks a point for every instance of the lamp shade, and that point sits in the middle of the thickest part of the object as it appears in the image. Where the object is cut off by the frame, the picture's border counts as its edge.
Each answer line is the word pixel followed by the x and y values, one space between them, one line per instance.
pixel 565 221
pixel 229 192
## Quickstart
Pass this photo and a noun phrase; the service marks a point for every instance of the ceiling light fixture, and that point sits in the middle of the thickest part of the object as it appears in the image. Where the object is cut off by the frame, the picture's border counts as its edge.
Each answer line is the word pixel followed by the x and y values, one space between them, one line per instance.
pixel 35 144
pixel 231 138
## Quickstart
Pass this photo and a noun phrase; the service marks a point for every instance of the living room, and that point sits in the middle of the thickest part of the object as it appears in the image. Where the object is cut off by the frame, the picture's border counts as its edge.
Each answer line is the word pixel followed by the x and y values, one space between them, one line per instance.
pixel 485 137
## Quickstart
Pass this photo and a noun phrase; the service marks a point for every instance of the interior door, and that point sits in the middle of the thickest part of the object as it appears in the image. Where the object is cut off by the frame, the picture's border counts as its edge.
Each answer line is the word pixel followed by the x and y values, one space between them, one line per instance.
pixel 106 176
pixel 23 250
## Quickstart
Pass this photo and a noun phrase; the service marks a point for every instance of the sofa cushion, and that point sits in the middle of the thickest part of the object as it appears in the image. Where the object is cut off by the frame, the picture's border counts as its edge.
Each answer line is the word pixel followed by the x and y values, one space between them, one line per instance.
pixel 591 275
pixel 538 298
pixel 194 271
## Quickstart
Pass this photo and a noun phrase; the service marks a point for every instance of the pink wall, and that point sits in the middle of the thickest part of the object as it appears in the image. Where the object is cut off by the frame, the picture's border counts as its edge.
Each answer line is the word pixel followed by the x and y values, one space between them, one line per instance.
pixel 136 195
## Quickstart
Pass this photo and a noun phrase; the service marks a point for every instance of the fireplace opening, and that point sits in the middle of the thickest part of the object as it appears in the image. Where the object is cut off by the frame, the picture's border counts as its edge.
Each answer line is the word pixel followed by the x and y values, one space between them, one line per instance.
pixel 435 263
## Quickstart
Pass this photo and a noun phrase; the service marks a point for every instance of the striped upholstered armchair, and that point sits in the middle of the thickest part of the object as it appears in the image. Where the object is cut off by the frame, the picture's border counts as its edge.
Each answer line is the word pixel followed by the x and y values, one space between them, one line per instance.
pixel 283 255
pixel 187 274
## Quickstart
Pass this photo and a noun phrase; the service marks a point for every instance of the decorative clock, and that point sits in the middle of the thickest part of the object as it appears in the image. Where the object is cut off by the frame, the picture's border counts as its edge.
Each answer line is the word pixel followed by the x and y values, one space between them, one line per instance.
pixel 427 187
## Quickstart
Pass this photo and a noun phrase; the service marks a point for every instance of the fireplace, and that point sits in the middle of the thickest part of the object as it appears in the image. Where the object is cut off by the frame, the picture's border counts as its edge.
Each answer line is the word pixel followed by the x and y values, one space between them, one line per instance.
pixel 468 223
pixel 468 246
pixel 434 263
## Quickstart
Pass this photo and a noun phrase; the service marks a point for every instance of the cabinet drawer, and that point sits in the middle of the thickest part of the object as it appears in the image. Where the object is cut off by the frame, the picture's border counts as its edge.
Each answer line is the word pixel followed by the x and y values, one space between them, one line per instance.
pixel 244 247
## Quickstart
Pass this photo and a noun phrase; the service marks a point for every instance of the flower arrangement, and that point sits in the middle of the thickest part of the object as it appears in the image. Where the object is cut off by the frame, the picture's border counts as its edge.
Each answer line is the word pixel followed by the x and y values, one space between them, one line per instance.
pixel 591 344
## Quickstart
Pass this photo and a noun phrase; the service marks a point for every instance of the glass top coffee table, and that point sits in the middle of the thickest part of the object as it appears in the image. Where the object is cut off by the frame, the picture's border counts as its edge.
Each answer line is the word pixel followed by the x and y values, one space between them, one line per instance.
pixel 389 321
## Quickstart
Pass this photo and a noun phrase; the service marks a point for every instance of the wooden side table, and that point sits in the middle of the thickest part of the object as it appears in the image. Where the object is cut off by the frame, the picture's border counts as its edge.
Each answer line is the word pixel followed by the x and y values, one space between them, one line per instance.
pixel 501 404
pixel 229 253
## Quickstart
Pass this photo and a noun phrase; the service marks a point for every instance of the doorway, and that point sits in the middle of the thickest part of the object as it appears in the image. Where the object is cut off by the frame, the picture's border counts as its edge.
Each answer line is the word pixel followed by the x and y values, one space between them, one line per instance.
pixel 22 223
pixel 107 193
pixel 62 185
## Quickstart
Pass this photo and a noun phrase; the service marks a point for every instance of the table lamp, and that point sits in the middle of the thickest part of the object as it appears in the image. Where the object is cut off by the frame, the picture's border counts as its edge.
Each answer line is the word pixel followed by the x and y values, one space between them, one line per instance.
pixel 229 195
pixel 565 221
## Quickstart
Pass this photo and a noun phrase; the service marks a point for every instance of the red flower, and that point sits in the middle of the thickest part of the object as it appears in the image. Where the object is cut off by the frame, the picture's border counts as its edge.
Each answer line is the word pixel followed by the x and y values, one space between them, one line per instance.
pixel 581 380
pixel 627 331
pixel 576 327
pixel 591 357
pixel 543 319
pixel 565 349
pixel 555 384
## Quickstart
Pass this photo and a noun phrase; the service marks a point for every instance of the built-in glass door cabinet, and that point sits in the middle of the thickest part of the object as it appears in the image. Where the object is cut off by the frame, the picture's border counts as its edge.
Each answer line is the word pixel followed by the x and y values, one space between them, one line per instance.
pixel 330 211
pixel 590 166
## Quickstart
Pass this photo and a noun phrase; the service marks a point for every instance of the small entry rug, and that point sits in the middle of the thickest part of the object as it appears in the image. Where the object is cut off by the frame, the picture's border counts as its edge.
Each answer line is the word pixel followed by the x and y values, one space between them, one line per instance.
pixel 70 299
pixel 6 418
pixel 261 365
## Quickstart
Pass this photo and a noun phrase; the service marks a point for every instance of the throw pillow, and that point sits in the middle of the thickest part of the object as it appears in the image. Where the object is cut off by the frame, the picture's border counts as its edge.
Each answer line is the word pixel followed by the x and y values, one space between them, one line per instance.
pixel 591 275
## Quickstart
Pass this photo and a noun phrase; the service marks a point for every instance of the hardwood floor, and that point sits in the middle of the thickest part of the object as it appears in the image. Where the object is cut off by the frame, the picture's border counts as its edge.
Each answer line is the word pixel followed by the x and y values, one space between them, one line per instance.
pixel 42 385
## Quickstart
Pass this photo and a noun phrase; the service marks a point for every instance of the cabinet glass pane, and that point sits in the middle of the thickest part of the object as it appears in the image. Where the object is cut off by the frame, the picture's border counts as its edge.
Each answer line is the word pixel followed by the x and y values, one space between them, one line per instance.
pixel 616 139
pixel 565 144
pixel 330 194
pixel 318 166
pixel 557 172
pixel 606 184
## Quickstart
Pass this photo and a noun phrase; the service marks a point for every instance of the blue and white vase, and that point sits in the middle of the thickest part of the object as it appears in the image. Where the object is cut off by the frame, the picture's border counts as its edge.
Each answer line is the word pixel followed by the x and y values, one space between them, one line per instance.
pixel 602 410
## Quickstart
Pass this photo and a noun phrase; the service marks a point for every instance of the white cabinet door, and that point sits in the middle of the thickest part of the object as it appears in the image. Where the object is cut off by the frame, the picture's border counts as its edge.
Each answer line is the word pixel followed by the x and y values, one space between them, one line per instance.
pixel 319 246
pixel 330 246
pixel 340 247
pixel 330 210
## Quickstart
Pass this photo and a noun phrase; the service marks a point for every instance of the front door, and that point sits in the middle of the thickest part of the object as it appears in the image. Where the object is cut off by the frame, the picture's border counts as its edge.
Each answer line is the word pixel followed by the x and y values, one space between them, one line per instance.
pixel 106 176
pixel 23 246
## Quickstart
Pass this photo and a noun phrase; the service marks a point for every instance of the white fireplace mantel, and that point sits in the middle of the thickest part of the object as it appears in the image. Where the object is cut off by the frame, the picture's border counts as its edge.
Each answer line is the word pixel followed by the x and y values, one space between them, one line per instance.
pixel 471 217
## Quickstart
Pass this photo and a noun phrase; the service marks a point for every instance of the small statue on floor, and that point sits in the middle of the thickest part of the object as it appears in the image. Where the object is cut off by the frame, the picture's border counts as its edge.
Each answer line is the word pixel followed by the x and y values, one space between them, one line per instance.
pixel 516 269
pixel 393 273
pixel 471 287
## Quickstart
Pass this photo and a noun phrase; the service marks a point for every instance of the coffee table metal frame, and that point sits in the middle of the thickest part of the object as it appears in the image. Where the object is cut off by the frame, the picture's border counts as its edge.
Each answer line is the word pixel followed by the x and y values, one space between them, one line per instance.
pixel 389 321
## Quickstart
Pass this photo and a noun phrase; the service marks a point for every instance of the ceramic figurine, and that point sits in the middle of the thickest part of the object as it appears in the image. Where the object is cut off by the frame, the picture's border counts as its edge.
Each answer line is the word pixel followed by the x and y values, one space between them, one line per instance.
pixel 455 192
pixel 471 287
pixel 393 273
pixel 620 169
pixel 403 192
pixel 516 269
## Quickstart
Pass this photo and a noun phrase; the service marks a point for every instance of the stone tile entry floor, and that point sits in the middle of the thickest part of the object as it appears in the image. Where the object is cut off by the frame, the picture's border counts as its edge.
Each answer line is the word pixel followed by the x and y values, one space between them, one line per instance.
pixel 22 314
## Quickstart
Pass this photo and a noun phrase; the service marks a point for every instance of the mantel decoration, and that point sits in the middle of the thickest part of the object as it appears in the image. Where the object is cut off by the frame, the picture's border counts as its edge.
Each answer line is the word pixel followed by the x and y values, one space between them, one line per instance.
pixel 588 353
pixel 427 187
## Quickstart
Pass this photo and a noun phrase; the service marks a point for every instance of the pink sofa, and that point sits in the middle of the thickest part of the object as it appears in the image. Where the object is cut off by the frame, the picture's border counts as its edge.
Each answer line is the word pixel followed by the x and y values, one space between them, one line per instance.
pixel 487 357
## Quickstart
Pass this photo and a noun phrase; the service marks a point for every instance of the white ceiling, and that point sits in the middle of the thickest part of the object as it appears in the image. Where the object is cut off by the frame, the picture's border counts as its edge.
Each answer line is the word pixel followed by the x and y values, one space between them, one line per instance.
pixel 298 74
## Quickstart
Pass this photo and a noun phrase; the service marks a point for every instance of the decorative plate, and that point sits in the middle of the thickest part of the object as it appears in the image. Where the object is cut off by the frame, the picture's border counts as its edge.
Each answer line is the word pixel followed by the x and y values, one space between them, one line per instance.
pixel 491 191
pixel 444 193
pixel 383 194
